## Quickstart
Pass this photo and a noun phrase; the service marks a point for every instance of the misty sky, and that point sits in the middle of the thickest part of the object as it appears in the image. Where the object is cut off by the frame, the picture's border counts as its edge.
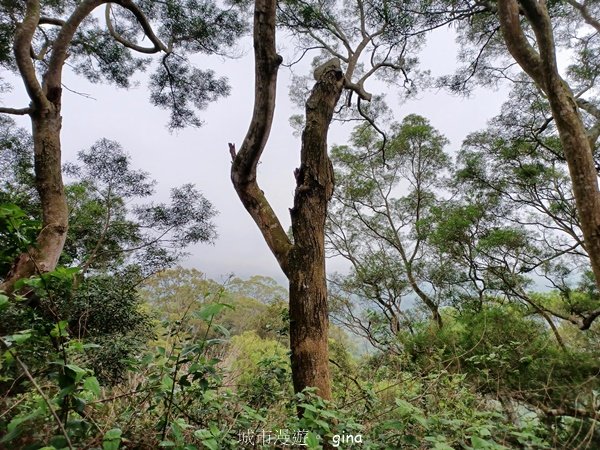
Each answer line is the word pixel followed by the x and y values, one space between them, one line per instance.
pixel 201 155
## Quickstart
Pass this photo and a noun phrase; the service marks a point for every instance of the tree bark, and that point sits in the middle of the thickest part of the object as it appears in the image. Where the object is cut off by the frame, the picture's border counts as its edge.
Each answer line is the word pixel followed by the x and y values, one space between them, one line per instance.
pixel 309 321
pixel 44 255
pixel 540 65
pixel 46 124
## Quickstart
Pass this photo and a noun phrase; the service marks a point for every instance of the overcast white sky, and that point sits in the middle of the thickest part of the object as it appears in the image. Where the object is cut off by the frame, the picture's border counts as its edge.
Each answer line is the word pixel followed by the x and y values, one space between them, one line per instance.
pixel 201 155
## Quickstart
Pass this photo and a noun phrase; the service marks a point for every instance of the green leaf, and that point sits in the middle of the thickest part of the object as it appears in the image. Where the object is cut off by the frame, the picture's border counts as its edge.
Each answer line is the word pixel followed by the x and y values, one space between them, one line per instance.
pixel 442 446
pixel 484 432
pixel 221 329
pixel 394 425
pixel 404 407
pixel 312 441
pixel 479 443
pixel 324 425
pixel 60 329
pixel 211 444
pixel 308 407
pixel 19 338
pixel 166 383
pixel 34 282
pixel 91 384
pixel 422 420
pixel 211 310
pixel 77 373
pixel 3 301
pixel 64 273
pixel 112 439
pixel 86 346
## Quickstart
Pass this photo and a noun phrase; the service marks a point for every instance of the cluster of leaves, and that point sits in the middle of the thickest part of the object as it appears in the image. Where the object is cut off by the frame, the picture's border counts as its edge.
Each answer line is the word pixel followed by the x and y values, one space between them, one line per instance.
pixel 106 234
pixel 116 50
pixel 174 384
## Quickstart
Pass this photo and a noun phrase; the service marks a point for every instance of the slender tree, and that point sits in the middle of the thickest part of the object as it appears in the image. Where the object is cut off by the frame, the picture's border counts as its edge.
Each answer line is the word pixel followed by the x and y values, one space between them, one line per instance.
pixel 376 220
pixel 302 258
pixel 528 34
pixel 518 168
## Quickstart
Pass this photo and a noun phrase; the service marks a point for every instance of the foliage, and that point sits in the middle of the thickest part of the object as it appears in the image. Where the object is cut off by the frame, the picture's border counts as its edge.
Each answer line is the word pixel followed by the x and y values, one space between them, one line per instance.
pixel 106 233
pixel 378 222
pixel 450 388
pixel 17 232
pixel 113 50
pixel 156 234
pixel 260 369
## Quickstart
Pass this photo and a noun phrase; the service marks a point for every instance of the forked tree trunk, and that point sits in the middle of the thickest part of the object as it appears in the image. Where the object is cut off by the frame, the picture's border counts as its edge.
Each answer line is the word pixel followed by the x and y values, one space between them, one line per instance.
pixel 302 261
pixel 309 322
pixel 43 256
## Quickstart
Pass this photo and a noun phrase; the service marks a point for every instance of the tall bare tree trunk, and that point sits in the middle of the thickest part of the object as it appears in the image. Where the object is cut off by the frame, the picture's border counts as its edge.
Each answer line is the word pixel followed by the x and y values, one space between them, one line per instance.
pixel 309 322
pixel 44 255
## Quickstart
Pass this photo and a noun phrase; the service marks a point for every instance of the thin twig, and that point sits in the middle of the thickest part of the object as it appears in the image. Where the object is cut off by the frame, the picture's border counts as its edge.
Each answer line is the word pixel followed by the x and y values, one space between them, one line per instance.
pixel 37 388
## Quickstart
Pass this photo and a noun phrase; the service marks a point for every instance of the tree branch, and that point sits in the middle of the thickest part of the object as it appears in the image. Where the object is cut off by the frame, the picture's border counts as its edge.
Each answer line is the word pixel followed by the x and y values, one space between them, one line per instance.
pixel 51 21
pixel 589 107
pixel 376 128
pixel 542 28
pixel 15 111
pixel 139 15
pixel 53 77
pixel 585 13
pixel 245 162
pixel 517 43
pixel 594 131
pixel 589 319
pixel 22 46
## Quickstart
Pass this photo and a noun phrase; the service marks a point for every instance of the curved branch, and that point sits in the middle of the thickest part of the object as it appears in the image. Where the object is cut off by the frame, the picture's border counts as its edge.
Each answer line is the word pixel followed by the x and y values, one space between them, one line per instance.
pixel 542 28
pixel 363 26
pixel 158 44
pixel 245 162
pixel 22 47
pixel 589 319
pixel 51 21
pixel 143 20
pixel 517 43
pixel 298 59
pixel 585 13
pixel 589 107
pixel 53 77
pixel 327 47
pixel 376 128
pixel 594 131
